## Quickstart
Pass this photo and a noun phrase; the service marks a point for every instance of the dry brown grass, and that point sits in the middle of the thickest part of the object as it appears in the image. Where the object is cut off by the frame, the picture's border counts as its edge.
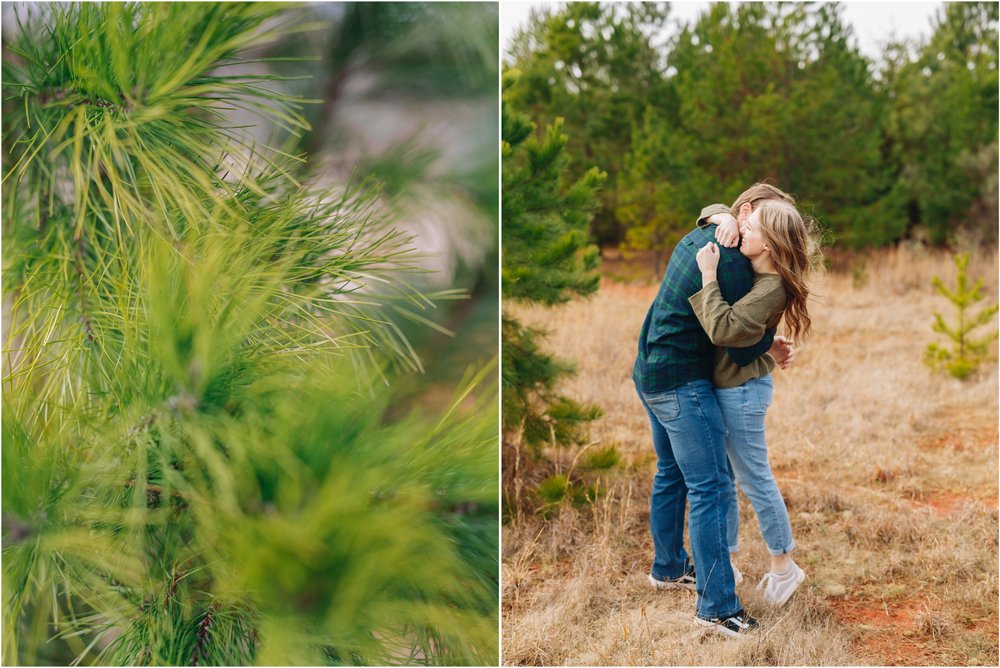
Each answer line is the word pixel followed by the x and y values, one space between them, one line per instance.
pixel 889 473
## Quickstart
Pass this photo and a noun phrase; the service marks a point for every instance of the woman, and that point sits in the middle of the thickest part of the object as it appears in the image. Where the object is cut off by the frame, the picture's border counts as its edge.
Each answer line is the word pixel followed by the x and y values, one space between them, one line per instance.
pixel 778 244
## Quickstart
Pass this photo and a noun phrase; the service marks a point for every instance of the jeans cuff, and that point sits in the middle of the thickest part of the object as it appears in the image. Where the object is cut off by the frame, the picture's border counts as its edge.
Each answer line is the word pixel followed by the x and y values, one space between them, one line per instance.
pixel 737 611
pixel 778 553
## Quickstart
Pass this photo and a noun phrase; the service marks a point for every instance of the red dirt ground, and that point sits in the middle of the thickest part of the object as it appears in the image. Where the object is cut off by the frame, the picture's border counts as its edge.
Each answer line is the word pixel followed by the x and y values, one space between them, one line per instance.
pixel 945 504
pixel 969 430
pixel 892 638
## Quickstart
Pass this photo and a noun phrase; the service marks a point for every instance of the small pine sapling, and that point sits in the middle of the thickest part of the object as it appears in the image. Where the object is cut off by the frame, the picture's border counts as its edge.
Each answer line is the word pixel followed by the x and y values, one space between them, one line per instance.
pixel 967 352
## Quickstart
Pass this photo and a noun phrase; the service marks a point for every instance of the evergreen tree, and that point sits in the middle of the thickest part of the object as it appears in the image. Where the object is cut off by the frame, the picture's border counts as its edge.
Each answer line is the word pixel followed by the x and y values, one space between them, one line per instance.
pixel 942 132
pixel 771 91
pixel 968 351
pixel 654 206
pixel 547 259
pixel 766 92
pixel 597 66
pixel 201 461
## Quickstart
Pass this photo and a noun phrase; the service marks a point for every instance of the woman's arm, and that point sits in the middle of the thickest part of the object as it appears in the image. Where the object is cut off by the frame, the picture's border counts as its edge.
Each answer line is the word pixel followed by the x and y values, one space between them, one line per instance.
pixel 740 325
pixel 743 323
pixel 727 233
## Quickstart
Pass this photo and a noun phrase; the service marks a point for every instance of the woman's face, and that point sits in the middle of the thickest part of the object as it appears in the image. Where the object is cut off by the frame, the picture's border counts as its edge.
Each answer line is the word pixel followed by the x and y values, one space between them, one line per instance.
pixel 753 243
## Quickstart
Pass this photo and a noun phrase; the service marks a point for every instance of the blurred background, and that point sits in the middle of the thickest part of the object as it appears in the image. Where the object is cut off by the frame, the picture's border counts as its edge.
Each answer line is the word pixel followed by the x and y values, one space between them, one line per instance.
pixel 880 117
pixel 404 93
pixel 407 95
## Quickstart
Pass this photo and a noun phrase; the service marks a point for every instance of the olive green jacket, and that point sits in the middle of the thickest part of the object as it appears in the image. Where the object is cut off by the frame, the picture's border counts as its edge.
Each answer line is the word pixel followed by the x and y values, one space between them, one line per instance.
pixel 739 325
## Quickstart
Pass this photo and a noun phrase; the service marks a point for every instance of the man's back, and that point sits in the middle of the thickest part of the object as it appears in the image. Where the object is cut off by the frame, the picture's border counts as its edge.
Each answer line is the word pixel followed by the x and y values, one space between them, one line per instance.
pixel 673 347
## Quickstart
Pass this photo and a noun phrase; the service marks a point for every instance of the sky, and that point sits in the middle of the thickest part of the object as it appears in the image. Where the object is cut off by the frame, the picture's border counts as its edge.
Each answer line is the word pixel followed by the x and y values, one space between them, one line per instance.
pixel 873 22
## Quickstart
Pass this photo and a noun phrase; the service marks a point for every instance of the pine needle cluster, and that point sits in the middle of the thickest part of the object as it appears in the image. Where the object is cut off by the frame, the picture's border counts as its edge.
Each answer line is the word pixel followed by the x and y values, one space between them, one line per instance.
pixel 200 464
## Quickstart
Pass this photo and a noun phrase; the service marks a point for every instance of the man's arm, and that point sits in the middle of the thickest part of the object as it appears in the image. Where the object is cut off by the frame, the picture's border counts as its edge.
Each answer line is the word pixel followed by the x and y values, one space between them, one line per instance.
pixel 782 351
pixel 745 356
pixel 736 280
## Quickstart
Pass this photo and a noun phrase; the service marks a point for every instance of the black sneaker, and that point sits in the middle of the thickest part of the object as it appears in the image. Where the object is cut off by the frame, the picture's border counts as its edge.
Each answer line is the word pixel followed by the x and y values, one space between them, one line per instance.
pixel 731 626
pixel 685 581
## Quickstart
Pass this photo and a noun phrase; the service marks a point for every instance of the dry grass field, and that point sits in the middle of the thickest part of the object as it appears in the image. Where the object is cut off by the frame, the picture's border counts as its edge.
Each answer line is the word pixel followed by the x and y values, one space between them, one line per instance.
pixel 889 473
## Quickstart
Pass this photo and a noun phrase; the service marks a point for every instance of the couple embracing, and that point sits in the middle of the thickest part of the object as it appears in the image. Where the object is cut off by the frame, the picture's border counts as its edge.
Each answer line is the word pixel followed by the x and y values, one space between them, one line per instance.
pixel 706 352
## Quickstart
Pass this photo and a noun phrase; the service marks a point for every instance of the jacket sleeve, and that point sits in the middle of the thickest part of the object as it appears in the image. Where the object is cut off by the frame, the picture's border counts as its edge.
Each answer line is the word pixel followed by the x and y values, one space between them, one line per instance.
pixel 736 281
pixel 710 210
pixel 741 325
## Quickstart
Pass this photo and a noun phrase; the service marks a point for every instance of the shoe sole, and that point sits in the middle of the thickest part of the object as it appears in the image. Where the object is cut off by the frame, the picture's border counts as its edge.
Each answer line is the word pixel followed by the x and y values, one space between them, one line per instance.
pixel 660 584
pixel 799 579
pixel 712 626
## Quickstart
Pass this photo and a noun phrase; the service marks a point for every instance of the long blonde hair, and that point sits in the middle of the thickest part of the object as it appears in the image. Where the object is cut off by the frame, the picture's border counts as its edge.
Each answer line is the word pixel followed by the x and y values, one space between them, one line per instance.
pixel 791 239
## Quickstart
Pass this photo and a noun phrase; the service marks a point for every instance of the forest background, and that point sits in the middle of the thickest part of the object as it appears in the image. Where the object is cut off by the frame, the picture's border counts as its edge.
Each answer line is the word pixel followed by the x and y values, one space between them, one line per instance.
pixel 901 146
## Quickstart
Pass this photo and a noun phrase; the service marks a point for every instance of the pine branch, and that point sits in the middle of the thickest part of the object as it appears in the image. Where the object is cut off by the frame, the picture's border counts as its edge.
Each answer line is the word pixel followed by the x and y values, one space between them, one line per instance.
pixel 202 635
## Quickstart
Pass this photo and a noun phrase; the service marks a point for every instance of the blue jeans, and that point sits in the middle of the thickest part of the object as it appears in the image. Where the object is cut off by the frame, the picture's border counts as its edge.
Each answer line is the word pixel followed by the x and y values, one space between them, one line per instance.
pixel 689 437
pixel 743 409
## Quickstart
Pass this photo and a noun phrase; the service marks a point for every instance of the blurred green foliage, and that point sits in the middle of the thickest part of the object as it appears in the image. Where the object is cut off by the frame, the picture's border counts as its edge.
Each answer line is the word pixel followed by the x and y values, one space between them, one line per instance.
pixel 604 458
pixel 205 460
pixel 905 147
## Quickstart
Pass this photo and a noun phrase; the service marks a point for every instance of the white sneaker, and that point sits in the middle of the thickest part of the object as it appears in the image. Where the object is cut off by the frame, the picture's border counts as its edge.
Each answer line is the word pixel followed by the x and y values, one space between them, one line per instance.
pixel 737 575
pixel 779 588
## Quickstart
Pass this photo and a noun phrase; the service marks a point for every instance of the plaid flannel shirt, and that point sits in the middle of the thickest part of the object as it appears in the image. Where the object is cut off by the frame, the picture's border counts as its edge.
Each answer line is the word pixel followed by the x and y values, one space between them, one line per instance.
pixel 673 347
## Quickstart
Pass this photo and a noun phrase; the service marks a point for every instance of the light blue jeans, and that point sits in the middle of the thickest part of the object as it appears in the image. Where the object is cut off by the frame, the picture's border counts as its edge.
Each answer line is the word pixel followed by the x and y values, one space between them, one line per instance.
pixel 743 410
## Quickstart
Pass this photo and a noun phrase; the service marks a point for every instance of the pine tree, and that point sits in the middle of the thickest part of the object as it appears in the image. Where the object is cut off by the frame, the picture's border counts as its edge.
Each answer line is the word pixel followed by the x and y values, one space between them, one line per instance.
pixel 597 66
pixel 943 128
pixel 201 458
pixel 967 352
pixel 547 259
pixel 766 91
pixel 653 209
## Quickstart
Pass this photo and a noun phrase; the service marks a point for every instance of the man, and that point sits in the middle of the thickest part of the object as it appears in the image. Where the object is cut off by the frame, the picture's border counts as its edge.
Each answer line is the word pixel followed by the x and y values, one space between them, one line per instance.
pixel 672 374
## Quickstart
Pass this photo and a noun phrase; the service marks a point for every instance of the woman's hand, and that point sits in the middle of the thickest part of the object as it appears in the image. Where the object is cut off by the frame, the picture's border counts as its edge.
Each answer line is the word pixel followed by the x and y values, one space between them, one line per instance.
pixel 782 351
pixel 728 231
pixel 708 262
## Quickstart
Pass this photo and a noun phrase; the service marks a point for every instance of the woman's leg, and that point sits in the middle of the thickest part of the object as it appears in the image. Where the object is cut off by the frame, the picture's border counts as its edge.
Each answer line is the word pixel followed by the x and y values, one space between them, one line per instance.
pixel 744 409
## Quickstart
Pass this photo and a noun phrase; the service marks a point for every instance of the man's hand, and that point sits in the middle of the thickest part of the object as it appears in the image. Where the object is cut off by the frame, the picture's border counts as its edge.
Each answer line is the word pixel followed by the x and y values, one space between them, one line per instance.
pixel 708 262
pixel 728 231
pixel 782 352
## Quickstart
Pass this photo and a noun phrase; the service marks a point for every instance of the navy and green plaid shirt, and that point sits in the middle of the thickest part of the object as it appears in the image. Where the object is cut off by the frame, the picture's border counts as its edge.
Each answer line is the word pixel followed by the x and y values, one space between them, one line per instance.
pixel 673 347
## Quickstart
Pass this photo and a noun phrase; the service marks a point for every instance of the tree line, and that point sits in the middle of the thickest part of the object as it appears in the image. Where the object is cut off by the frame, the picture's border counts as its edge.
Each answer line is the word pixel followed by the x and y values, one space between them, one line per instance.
pixel 903 146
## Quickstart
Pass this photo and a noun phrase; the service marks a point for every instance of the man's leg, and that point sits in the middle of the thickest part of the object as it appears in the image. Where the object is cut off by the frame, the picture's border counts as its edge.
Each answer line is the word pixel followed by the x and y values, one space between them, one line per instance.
pixel 666 508
pixel 733 512
pixel 691 417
